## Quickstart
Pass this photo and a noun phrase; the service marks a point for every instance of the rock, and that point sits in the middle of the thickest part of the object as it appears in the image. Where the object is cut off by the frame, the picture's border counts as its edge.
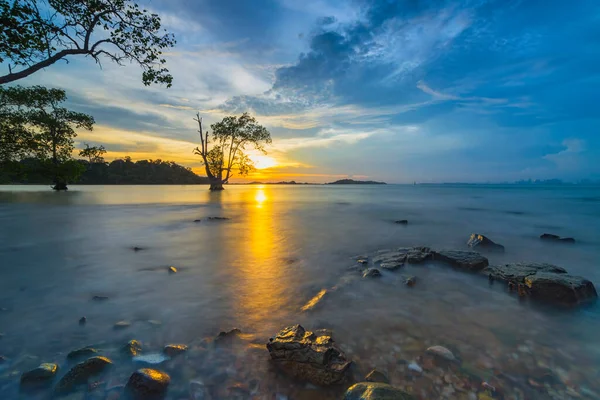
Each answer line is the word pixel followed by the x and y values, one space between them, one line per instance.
pixel 308 356
pixel 136 248
pixel 545 282
pixel 410 281
pixel 392 266
pixel 363 261
pixel 82 320
pixel 560 288
pixel 412 255
pixel 172 270
pixel 442 352
pixel 371 273
pixel 197 220
pixel 132 348
pixel 82 353
pixel 478 241
pixel 122 325
pixel 376 376
pixel 100 298
pixel 413 366
pixel 228 336
pixel 147 384
pixel 151 358
pixel 555 238
pixel 402 222
pixel 465 260
pixel 173 350
pixel 41 375
pixel 375 391
pixel 81 372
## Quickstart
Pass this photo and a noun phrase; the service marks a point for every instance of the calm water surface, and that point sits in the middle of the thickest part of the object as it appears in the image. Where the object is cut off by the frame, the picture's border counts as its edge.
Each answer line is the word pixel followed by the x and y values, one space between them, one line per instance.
pixel 279 248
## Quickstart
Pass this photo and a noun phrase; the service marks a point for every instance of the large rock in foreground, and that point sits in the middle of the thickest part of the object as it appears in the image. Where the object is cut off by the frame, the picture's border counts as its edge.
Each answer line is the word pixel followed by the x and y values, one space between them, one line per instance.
pixel 309 356
pixel 41 375
pixel 478 241
pixel 146 384
pixel 411 255
pixel 375 391
pixel 546 282
pixel 80 373
pixel 465 260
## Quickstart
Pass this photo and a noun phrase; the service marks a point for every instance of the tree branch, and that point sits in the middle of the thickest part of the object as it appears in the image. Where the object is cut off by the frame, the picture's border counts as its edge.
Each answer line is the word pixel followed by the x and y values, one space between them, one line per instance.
pixel 10 77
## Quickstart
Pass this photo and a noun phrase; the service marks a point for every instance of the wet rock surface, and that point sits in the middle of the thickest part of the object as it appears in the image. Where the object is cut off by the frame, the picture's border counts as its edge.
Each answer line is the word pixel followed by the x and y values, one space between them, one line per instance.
pixel 371 273
pixel 82 353
pixel 173 350
pixel 81 372
pixel 132 348
pixel 41 375
pixel 555 238
pixel 377 376
pixel 375 391
pixel 412 255
pixel 545 282
pixel 465 260
pixel 147 383
pixel 227 337
pixel 481 242
pixel 309 356
pixel 401 222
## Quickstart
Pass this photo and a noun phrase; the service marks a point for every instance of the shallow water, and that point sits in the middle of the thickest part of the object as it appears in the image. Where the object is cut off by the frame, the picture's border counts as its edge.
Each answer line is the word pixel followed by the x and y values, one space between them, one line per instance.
pixel 281 246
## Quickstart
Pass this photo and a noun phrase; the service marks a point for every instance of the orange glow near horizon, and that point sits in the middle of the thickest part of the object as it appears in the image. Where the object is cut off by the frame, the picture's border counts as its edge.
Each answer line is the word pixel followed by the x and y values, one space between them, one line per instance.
pixel 263 161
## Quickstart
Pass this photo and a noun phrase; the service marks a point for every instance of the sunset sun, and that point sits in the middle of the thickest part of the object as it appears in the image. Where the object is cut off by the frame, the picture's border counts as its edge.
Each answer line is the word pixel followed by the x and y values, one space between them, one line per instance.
pixel 263 161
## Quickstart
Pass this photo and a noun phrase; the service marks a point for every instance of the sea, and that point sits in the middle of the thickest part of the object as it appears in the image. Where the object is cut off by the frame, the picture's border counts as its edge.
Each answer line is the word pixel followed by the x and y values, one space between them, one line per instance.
pixel 281 255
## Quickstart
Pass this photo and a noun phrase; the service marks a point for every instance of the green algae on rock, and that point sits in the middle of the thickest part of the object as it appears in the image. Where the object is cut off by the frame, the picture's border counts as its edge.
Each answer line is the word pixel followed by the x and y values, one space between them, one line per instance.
pixel 375 391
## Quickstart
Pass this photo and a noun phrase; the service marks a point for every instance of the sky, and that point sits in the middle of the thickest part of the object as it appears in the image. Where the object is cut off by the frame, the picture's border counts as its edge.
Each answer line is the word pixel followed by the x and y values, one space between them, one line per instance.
pixel 398 91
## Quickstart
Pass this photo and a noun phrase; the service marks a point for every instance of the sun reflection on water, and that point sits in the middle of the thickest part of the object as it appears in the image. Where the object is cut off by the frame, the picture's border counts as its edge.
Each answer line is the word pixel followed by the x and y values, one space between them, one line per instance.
pixel 263 286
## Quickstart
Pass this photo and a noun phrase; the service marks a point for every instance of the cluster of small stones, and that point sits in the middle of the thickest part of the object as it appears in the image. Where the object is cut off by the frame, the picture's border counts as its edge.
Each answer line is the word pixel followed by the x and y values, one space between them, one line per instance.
pixel 414 364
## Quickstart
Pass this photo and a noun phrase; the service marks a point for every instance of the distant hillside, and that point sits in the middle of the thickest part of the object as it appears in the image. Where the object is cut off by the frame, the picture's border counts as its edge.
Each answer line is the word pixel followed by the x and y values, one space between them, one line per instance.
pixel 117 172
pixel 353 182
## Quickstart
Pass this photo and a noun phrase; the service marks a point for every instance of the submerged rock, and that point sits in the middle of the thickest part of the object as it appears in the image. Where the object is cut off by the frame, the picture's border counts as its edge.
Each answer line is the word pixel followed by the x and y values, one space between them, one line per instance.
pixel 555 238
pixel 375 391
pixel 309 356
pixel 151 358
pixel 122 324
pixel 82 320
pixel 465 260
pixel 478 241
pixel 172 270
pixel 136 248
pixel 228 336
pixel 82 353
pixel 392 266
pixel 81 372
pixel 41 375
pixel 173 350
pixel 410 281
pixel 132 348
pixel 412 255
pixel 402 222
pixel 371 273
pixel 545 282
pixel 363 261
pixel 147 383
pixel 442 352
pixel 377 376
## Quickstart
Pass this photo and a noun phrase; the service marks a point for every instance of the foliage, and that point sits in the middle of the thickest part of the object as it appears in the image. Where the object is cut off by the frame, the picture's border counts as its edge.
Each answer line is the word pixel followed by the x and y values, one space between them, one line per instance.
pixel 35 34
pixel 120 171
pixel 33 124
pixel 230 138
pixel 93 153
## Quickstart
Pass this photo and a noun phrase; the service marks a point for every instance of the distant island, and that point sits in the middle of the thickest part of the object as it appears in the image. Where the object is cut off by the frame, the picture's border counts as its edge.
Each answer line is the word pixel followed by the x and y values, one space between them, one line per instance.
pixel 117 172
pixel 353 182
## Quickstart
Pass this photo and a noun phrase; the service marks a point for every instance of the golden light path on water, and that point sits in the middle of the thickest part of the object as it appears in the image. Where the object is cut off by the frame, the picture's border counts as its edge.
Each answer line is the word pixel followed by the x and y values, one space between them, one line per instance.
pixel 263 285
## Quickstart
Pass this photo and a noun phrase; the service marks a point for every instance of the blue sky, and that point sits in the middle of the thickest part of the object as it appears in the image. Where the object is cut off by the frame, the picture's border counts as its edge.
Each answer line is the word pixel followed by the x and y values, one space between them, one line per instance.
pixel 472 90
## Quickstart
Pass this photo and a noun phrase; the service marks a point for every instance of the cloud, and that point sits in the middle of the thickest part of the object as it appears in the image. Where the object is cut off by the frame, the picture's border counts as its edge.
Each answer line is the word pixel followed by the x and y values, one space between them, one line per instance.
pixel 569 157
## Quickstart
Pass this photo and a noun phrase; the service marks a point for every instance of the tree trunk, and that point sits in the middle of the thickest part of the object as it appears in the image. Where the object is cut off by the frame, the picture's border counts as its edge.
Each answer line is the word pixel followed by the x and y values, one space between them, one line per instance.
pixel 216 184
pixel 59 183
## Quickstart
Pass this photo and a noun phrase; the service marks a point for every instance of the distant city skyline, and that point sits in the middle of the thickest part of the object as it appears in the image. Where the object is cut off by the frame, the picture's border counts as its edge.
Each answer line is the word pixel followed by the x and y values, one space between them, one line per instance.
pixel 395 91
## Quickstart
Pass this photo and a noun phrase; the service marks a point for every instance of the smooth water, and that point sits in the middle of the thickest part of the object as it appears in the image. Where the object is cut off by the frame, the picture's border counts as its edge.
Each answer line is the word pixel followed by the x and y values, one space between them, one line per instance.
pixel 279 248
